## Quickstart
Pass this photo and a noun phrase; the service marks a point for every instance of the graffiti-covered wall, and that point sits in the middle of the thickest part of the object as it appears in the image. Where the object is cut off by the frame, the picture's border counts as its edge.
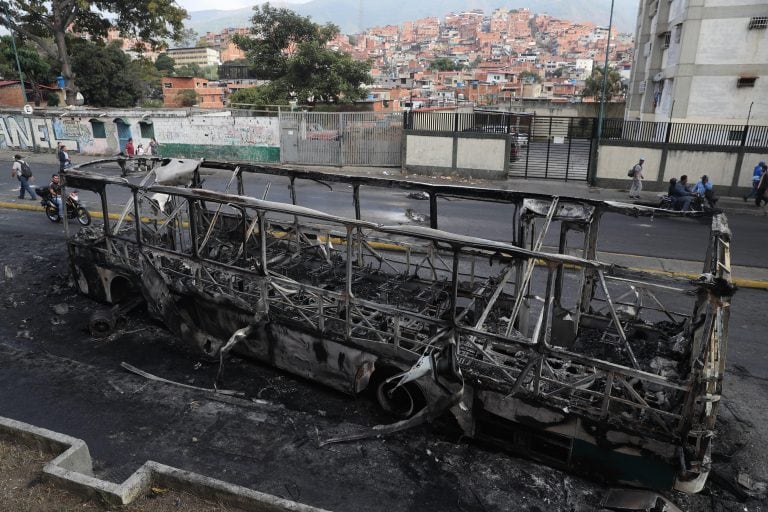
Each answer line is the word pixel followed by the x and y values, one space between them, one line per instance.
pixel 232 138
pixel 178 133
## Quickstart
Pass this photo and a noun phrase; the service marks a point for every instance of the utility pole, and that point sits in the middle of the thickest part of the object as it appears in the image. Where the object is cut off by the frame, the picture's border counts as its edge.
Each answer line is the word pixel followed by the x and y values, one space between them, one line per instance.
pixel 601 115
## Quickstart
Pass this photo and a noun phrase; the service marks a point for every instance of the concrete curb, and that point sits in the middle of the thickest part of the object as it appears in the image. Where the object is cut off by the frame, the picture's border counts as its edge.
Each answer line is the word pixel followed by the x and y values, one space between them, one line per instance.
pixel 72 469
pixel 38 208
pixel 739 282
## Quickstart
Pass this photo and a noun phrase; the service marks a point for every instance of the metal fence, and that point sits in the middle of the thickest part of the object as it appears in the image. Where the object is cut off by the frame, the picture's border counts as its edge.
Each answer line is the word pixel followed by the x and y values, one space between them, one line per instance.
pixel 686 133
pixel 489 122
pixel 542 146
pixel 330 138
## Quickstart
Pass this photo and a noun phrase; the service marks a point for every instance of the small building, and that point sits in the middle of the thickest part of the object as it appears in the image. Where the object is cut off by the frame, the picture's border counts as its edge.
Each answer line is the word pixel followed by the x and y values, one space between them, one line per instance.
pixel 11 94
pixel 208 94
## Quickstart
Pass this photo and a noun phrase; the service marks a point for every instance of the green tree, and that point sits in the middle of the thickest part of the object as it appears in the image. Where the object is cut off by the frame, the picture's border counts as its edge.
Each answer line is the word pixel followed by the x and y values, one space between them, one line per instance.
pixel 210 72
pixel 593 86
pixel 445 64
pixel 529 76
pixel 189 70
pixel 254 97
pixel 290 50
pixel 47 24
pixel 37 70
pixel 105 75
pixel 150 79
pixel 187 97
pixel 165 64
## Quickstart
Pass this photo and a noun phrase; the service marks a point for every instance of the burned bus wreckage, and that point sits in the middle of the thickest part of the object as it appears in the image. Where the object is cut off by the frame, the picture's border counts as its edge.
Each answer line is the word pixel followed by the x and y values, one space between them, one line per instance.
pixel 535 346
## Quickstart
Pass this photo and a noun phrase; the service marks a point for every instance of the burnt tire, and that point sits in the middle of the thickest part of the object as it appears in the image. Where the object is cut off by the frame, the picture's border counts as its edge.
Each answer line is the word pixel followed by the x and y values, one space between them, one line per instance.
pixel 52 212
pixel 101 324
pixel 401 403
pixel 82 216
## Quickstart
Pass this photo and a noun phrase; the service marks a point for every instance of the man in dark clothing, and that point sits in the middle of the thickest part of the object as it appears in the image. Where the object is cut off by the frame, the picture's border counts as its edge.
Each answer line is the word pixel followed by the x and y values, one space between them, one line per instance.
pixel 682 196
pixel 64 161
pixel 757 173
pixel 54 188
pixel 762 188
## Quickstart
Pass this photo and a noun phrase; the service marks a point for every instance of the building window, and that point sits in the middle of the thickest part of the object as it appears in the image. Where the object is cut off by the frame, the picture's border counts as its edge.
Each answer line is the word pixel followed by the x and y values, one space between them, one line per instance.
pixel 746 81
pixel 147 130
pixel 167 85
pixel 97 127
pixel 758 22
pixel 667 38
pixel 678 33
pixel 647 49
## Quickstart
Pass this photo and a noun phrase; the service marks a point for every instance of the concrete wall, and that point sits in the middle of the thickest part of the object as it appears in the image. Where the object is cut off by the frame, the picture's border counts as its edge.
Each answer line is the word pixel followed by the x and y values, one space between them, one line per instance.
pixel 478 155
pixel 718 166
pixel 729 171
pixel 615 161
pixel 485 154
pixel 426 151
pixel 179 133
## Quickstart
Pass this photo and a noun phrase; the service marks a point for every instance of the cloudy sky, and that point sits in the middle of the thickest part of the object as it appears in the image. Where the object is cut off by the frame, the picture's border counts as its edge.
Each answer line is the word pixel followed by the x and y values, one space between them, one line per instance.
pixel 202 5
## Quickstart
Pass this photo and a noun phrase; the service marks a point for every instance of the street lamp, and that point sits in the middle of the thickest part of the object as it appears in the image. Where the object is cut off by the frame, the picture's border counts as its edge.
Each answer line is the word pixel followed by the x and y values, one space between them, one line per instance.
pixel 601 115
pixel 605 79
pixel 4 6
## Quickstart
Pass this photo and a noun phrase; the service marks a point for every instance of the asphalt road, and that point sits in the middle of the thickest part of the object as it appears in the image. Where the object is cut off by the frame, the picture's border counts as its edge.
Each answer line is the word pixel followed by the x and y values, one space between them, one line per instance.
pixel 673 238
pixel 54 375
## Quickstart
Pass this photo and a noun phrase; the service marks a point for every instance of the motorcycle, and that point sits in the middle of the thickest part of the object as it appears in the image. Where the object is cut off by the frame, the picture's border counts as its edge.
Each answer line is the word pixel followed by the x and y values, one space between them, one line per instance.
pixel 698 203
pixel 75 209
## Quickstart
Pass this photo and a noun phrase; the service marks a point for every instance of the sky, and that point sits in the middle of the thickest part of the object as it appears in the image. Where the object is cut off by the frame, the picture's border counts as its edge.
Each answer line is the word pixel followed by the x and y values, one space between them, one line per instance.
pixel 226 5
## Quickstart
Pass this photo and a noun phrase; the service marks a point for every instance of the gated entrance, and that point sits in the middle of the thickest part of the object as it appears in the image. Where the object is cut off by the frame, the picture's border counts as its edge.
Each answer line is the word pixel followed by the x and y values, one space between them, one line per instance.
pixel 339 139
pixel 558 148
pixel 555 148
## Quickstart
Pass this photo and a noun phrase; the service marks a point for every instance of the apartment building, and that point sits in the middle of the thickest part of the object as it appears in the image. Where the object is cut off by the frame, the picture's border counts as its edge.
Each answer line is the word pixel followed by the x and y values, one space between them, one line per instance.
pixel 199 56
pixel 700 61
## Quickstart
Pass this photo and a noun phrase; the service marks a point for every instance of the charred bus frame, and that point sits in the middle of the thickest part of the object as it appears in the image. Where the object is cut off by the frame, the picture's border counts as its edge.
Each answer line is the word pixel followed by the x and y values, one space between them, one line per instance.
pixel 555 355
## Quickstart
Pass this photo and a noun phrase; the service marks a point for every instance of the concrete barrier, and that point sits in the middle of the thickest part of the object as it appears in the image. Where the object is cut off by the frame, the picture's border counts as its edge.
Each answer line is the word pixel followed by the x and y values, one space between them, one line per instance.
pixel 72 469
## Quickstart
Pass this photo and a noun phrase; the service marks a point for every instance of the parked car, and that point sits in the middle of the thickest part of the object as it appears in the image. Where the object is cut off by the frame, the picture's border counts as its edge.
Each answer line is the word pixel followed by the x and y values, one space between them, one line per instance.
pixel 316 131
pixel 488 128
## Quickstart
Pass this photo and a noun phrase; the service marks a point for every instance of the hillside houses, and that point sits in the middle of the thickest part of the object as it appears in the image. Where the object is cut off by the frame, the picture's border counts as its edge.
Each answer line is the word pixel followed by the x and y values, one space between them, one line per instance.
pixel 489 54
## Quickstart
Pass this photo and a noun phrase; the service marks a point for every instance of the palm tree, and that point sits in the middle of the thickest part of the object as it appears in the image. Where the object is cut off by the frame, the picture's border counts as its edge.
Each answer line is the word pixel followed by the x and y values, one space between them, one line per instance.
pixel 593 86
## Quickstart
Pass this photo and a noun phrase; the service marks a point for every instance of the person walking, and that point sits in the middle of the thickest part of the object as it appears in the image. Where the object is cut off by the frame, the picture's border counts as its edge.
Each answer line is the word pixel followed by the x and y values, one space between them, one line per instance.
pixel 21 171
pixel 756 175
pixel 64 161
pixel 152 147
pixel 762 188
pixel 637 180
